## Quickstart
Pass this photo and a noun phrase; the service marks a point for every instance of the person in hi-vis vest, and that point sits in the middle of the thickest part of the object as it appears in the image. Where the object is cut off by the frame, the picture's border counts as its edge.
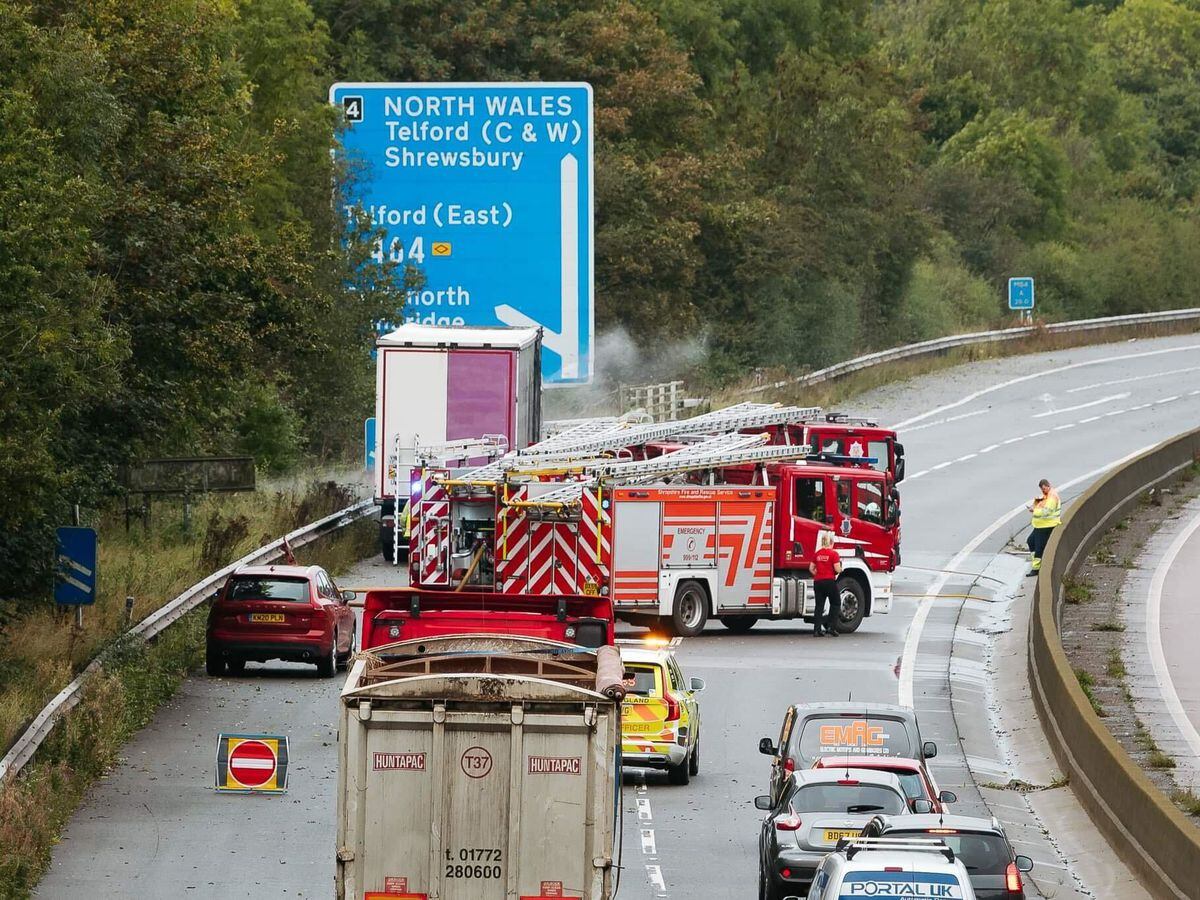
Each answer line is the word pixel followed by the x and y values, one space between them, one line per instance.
pixel 1047 515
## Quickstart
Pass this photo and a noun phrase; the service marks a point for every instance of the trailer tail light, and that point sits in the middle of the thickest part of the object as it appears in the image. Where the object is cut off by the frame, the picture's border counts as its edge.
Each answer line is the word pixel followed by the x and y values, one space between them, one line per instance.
pixel 1012 880
pixel 673 708
pixel 789 765
pixel 790 822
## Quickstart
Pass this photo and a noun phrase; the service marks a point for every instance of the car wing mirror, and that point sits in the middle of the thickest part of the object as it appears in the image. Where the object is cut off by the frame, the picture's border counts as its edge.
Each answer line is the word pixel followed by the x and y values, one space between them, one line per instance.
pixel 922 807
pixel 1024 863
pixel 948 797
pixel 929 749
pixel 762 801
pixel 696 685
pixel 347 596
pixel 767 747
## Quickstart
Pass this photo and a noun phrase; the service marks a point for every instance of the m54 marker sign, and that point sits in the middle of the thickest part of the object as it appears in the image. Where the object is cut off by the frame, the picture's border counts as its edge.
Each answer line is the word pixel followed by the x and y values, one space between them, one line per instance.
pixel 487 190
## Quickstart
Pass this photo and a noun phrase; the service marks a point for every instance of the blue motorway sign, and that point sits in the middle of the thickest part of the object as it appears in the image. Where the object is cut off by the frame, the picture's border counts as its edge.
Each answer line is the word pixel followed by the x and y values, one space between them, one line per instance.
pixel 75 566
pixel 487 190
pixel 369 443
pixel 1020 293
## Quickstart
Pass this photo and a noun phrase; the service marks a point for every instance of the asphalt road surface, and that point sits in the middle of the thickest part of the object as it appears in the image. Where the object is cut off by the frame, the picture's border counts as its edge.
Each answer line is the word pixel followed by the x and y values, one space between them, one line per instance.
pixel 978 438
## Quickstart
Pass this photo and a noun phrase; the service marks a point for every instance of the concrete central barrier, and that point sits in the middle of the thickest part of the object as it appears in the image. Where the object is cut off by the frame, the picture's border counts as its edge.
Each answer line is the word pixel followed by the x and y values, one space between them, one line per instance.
pixel 1151 835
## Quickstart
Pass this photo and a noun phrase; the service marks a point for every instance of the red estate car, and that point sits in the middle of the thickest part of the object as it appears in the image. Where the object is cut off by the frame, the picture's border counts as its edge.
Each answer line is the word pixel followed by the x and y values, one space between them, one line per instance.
pixel 293 613
pixel 914 778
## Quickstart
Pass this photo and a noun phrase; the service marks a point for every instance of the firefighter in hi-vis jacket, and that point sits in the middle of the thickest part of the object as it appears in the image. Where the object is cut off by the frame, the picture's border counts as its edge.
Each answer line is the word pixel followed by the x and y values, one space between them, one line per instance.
pixel 1047 515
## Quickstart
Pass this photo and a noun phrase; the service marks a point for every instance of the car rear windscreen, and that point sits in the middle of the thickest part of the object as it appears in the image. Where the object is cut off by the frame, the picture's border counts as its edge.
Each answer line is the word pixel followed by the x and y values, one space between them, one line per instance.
pixel 250 588
pixel 861 799
pixel 639 680
pixel 982 854
pixel 848 736
pixel 941 885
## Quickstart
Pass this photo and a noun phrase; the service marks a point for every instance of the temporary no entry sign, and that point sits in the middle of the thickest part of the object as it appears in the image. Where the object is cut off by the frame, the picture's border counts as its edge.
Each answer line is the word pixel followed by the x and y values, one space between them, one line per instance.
pixel 252 763
pixel 487 190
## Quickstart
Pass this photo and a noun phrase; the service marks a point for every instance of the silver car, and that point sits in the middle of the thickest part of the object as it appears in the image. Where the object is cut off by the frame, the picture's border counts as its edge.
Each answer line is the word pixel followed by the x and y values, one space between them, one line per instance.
pixel 816 809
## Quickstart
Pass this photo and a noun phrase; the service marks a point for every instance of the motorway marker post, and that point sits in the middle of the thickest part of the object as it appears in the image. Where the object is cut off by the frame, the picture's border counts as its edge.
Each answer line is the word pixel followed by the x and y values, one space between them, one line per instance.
pixel 252 763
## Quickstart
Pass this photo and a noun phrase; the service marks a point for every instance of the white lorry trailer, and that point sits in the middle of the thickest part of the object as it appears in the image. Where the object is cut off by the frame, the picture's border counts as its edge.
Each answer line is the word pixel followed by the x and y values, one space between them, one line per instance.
pixel 479 767
pixel 434 386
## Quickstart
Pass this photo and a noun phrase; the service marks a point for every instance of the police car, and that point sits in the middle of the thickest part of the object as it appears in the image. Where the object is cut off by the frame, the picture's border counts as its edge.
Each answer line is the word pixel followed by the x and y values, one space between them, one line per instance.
pixel 660 718
pixel 881 867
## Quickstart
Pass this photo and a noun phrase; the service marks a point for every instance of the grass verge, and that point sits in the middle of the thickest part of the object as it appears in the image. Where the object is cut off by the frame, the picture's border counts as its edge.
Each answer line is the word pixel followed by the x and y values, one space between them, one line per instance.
pixel 136 679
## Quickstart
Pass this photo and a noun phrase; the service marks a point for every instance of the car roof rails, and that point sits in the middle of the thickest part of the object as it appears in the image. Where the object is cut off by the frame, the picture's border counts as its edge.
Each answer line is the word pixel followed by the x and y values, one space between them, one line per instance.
pixel 852 846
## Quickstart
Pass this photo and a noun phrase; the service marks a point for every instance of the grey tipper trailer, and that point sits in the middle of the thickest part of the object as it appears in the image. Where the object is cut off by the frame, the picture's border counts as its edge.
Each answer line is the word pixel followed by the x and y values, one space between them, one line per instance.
pixel 480 767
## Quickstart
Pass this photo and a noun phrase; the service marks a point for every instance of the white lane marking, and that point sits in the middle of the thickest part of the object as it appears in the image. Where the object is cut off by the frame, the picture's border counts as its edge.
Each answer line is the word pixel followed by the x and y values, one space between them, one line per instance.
pixel 1012 440
pixel 1032 375
pixel 1158 659
pixel 644 812
pixel 989 448
pixel 1114 412
pixel 966 456
pixel 654 873
pixel 959 417
pixel 1166 400
pixel 939 466
pixel 1088 387
pixel 648 845
pixel 1033 434
pixel 1090 419
pixel 912 640
pixel 1067 409
pixel 1193 393
pixel 917 475
pixel 1063 427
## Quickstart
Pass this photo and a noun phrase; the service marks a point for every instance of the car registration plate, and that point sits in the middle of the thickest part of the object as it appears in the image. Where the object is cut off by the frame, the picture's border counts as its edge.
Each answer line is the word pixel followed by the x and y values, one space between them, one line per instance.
pixel 833 835
pixel 267 617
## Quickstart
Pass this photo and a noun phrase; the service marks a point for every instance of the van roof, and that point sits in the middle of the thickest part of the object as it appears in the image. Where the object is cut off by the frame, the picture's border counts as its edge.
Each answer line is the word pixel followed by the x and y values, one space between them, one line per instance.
pixel 907 860
pixel 467 336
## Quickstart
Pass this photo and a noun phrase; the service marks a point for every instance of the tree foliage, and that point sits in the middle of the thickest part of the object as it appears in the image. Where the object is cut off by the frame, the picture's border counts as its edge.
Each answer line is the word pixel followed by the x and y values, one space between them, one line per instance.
pixel 790 181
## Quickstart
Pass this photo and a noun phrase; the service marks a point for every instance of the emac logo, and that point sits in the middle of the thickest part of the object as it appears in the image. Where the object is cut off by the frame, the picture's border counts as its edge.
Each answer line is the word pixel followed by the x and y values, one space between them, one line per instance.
pixel 856 734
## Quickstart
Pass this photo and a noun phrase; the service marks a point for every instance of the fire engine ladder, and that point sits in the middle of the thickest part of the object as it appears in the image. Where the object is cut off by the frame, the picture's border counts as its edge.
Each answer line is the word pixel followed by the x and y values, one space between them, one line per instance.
pixel 718 452
pixel 490 446
pixel 730 419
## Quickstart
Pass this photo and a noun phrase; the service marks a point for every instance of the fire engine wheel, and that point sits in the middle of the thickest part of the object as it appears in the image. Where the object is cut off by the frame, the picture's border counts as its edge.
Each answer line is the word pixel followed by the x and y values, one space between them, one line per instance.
pixel 690 610
pixel 739 624
pixel 854 605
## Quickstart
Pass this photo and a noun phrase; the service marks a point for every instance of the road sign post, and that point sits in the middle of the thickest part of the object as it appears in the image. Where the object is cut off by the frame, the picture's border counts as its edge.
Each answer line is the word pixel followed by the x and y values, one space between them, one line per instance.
pixel 1020 296
pixel 487 189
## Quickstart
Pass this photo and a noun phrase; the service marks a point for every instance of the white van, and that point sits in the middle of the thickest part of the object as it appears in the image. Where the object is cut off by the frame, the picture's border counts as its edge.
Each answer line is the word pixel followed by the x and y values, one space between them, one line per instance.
pixel 879 867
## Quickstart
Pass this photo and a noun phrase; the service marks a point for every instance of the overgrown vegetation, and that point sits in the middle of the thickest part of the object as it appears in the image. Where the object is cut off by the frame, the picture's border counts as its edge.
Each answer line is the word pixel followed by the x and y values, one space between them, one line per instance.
pixel 1088 684
pixel 136 679
pixel 1077 590
pixel 1188 801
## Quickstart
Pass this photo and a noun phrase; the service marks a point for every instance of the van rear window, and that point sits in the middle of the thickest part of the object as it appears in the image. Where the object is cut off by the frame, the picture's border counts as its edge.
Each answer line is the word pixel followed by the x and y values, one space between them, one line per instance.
pixel 247 587
pixel 921 885
pixel 851 736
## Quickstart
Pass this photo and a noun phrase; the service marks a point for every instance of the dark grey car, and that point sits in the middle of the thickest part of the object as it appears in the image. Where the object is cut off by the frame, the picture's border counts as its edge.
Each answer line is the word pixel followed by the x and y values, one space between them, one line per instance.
pixel 995 870
pixel 818 808
pixel 813 730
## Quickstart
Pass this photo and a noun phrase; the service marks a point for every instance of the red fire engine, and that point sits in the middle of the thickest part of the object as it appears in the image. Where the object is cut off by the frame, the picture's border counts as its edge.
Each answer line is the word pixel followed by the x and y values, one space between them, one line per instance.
pixel 674 522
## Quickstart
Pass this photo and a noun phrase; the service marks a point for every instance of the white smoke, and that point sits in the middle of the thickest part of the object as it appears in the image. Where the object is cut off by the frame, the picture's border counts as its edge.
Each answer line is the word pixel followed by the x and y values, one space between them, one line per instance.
pixel 620 361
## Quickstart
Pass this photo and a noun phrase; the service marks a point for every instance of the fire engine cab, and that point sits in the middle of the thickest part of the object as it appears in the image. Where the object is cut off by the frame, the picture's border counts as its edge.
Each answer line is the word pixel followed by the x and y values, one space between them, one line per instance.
pixel 720 523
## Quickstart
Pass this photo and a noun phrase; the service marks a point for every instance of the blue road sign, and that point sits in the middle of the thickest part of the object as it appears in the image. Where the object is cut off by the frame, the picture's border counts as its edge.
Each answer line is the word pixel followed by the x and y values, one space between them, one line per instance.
pixel 1020 293
pixel 75 567
pixel 369 443
pixel 487 189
